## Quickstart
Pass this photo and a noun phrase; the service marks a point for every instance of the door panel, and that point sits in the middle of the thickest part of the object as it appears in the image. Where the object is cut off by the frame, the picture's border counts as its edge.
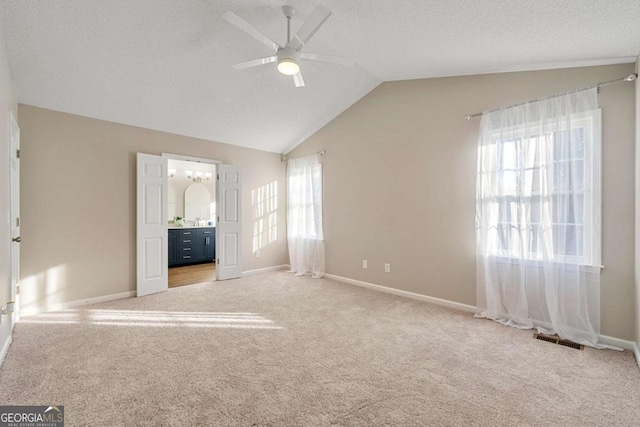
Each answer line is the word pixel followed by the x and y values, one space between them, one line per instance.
pixel 152 233
pixel 229 226
pixel 153 257
pixel 231 258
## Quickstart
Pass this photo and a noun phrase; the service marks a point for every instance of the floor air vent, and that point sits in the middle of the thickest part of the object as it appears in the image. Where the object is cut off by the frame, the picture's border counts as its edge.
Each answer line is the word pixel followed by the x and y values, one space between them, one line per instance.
pixel 557 340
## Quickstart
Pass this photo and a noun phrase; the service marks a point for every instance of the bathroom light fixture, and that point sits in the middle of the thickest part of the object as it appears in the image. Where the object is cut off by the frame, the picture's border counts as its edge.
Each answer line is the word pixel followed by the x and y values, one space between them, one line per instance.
pixel 199 176
pixel 172 173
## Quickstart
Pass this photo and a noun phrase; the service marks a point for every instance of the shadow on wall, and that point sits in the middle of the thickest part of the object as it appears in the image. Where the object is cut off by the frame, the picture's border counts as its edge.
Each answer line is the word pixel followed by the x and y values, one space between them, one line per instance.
pixel 264 201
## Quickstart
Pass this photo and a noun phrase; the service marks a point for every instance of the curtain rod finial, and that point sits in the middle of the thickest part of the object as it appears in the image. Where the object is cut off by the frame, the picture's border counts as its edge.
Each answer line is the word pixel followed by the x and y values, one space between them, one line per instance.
pixel 631 77
pixel 467 117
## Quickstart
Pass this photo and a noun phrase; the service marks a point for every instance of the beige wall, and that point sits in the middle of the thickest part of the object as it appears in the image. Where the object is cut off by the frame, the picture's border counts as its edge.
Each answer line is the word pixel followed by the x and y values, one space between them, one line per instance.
pixel 399 182
pixel 79 202
pixel 7 103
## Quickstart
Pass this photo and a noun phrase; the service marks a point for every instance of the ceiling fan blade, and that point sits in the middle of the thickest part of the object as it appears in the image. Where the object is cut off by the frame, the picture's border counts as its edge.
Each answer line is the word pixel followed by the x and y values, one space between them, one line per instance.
pixel 298 80
pixel 255 62
pixel 313 23
pixel 250 29
pixel 326 58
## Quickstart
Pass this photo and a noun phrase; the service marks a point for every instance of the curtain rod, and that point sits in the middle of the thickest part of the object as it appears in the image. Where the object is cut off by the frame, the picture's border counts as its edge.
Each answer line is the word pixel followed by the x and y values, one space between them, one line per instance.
pixel 629 78
pixel 283 159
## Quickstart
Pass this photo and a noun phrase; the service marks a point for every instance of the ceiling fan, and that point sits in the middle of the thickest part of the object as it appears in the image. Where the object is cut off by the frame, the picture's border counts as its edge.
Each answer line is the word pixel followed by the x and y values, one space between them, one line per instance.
pixel 289 56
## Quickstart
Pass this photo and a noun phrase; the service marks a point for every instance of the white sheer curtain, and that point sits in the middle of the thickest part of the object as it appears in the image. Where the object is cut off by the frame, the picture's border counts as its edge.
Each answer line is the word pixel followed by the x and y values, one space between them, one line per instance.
pixel 538 216
pixel 304 216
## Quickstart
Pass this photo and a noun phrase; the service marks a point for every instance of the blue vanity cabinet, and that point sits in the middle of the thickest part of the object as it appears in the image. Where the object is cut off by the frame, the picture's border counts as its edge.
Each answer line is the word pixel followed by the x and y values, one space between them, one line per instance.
pixel 206 244
pixel 174 235
pixel 191 245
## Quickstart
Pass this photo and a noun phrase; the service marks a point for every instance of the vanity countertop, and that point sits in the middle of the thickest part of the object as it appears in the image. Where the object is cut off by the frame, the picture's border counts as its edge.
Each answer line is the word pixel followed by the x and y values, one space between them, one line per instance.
pixel 175 227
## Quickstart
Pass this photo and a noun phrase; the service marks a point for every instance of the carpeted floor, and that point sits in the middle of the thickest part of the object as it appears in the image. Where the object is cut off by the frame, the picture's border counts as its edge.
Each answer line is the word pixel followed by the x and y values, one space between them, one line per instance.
pixel 278 350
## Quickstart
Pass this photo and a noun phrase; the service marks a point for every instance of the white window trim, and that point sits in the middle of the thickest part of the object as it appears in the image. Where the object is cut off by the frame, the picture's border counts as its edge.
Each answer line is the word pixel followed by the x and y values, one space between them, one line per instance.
pixel 592 251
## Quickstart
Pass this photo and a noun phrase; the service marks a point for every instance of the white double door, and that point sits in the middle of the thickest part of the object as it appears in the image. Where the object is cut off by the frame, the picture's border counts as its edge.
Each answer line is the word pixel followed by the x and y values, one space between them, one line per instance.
pixel 152 221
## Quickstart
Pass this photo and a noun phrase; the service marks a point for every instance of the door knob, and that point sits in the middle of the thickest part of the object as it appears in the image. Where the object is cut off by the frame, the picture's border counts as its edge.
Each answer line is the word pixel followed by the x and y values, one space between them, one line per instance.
pixel 17 239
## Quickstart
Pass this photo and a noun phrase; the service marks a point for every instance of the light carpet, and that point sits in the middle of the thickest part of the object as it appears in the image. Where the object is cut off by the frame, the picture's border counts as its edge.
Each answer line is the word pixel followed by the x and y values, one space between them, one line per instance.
pixel 279 350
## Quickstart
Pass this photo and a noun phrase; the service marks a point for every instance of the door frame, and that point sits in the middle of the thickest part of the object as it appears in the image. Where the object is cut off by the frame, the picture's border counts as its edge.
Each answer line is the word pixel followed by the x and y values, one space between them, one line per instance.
pixel 14 214
pixel 184 158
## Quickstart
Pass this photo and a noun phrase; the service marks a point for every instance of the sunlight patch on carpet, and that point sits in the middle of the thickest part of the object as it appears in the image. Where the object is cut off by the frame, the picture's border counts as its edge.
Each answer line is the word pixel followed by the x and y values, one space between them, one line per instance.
pixel 141 318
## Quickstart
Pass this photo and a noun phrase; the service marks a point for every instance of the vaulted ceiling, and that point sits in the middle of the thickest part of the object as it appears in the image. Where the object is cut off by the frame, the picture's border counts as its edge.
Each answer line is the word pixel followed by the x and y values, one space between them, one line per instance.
pixel 166 64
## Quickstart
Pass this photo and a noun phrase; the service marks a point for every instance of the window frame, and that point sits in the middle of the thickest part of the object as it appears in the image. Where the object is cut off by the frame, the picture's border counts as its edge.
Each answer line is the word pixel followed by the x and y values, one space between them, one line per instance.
pixel 294 178
pixel 592 225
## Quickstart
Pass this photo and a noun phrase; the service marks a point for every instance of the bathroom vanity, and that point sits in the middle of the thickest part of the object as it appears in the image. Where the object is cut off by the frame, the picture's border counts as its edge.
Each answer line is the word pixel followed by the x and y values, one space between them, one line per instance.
pixel 191 245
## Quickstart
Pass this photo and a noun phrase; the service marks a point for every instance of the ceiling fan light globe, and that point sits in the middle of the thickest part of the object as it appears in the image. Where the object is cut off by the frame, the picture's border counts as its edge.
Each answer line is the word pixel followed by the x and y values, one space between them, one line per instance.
pixel 288 67
pixel 288 61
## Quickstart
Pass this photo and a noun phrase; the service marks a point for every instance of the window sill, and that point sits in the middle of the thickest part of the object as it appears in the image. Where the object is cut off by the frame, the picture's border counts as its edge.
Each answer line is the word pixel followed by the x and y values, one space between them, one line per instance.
pixel 536 263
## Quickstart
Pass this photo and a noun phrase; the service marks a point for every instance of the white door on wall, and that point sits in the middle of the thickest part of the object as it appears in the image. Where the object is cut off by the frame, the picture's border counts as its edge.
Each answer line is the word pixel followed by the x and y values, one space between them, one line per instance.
pixel 152 232
pixel 15 216
pixel 229 225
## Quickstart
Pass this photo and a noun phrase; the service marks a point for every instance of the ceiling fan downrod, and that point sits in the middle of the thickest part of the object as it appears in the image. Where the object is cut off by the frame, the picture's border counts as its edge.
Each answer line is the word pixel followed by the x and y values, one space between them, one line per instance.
pixel 288 13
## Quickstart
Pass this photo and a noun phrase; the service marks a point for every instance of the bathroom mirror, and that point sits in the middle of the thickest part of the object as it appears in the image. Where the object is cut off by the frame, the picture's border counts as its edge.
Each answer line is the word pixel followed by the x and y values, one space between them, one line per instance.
pixel 197 202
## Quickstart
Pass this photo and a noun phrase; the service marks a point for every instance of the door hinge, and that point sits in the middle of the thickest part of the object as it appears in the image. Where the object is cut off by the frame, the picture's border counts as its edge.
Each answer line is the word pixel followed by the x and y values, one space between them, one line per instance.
pixel 218 176
pixel 218 219
pixel 17 222
pixel 18 154
pixel 17 289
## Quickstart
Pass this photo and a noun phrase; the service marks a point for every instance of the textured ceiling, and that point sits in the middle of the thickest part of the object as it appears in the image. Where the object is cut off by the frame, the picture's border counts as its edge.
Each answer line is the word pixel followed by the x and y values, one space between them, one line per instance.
pixel 166 64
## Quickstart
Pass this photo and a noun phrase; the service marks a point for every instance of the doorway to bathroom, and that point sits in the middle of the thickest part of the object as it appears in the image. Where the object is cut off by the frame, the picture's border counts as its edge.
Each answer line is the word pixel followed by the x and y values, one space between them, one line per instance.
pixel 223 237
pixel 192 214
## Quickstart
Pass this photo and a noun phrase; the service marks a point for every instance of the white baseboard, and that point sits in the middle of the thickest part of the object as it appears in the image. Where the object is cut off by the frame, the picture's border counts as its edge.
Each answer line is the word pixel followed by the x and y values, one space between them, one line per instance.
pixel 407 294
pixel 617 342
pixel 5 348
pixel 264 270
pixel 64 305
pixel 604 339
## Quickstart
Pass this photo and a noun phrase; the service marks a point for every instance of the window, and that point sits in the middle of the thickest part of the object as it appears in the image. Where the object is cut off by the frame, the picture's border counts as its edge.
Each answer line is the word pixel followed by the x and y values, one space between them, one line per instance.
pixel 541 183
pixel 304 202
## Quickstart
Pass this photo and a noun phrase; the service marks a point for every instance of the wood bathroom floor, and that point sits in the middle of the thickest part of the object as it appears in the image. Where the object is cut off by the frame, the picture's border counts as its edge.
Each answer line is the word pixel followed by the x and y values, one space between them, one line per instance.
pixel 190 274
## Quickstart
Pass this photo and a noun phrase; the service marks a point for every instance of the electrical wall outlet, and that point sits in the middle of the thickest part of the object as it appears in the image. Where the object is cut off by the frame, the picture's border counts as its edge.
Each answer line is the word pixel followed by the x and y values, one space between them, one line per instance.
pixel 364 263
pixel 387 268
pixel 257 254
